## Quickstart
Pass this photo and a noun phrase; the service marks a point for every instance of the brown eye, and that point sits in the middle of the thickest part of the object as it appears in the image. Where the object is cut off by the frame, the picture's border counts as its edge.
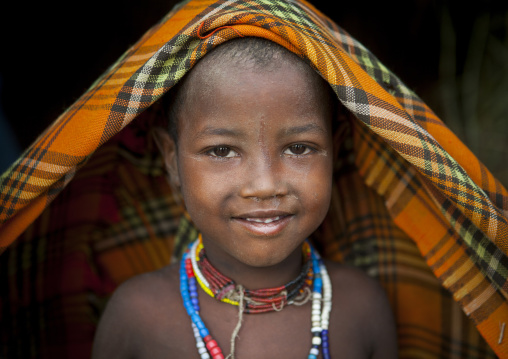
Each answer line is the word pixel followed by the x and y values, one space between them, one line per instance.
pixel 222 151
pixel 297 150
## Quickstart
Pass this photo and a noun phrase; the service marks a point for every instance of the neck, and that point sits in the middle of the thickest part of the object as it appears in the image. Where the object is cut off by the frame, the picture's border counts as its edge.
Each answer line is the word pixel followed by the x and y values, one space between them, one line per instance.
pixel 252 277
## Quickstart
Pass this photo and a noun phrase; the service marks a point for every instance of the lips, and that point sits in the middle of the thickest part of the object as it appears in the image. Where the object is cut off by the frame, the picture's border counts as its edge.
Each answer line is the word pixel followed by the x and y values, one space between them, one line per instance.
pixel 264 223
pixel 263 220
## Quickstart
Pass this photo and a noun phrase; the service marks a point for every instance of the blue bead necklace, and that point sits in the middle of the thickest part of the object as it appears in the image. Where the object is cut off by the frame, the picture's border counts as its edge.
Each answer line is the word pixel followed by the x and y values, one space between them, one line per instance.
pixel 208 347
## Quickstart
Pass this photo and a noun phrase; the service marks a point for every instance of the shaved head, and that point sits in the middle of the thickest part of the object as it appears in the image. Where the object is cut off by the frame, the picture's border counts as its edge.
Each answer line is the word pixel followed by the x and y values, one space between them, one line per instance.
pixel 251 54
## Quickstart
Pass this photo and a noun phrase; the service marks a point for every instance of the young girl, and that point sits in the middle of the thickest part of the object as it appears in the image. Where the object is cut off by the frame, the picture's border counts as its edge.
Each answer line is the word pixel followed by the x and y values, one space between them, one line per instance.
pixel 250 148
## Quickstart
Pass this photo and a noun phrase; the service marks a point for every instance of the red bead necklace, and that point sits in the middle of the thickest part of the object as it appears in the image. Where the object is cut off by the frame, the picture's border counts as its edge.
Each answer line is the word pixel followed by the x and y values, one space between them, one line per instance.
pixel 260 300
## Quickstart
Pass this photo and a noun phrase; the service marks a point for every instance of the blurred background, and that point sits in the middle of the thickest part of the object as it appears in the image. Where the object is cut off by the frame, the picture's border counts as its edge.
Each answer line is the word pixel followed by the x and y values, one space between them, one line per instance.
pixel 455 56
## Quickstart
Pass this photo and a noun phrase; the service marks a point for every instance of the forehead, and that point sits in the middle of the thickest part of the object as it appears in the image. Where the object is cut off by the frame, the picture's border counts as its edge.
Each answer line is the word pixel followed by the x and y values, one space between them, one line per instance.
pixel 232 95
pixel 215 86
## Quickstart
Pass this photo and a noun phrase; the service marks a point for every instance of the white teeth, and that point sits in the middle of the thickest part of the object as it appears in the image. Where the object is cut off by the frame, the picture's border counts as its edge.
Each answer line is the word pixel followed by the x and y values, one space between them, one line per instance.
pixel 261 220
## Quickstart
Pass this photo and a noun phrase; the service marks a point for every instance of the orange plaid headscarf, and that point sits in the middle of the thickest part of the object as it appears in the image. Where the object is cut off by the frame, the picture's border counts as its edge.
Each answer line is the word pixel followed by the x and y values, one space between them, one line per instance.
pixel 90 207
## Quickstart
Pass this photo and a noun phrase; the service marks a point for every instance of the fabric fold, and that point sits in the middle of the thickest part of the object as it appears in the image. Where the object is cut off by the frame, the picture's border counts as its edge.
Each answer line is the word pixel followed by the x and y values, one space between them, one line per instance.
pixel 412 205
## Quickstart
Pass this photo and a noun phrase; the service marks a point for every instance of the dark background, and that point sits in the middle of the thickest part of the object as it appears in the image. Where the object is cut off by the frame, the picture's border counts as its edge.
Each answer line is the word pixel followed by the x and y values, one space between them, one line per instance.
pixel 455 56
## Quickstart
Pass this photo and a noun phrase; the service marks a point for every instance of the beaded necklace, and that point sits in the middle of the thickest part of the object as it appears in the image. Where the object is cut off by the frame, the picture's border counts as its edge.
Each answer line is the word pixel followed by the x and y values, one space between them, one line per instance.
pixel 316 275
pixel 224 289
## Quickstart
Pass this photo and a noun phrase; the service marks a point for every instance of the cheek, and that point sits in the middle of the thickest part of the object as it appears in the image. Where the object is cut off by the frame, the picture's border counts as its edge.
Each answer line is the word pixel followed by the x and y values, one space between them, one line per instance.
pixel 313 183
pixel 203 191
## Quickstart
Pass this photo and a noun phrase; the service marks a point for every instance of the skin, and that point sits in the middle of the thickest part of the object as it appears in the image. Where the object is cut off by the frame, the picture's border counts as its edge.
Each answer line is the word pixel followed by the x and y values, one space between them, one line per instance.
pixel 251 155
pixel 254 165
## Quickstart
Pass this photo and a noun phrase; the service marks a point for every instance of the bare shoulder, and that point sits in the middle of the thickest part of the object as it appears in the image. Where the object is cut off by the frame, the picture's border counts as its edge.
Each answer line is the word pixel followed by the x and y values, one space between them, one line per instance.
pixel 361 307
pixel 353 282
pixel 138 310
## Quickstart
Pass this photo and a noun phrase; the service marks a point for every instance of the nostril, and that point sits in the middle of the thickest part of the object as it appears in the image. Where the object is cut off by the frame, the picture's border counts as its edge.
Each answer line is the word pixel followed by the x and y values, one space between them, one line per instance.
pixel 276 197
pixel 262 193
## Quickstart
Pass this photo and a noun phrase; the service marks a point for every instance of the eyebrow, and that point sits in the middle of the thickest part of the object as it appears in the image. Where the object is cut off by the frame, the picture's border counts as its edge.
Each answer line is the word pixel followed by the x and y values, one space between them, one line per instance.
pixel 218 131
pixel 228 132
pixel 311 127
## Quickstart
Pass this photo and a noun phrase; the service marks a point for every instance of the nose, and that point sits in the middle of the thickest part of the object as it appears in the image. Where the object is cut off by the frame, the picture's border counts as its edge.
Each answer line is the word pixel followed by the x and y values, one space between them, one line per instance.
pixel 264 179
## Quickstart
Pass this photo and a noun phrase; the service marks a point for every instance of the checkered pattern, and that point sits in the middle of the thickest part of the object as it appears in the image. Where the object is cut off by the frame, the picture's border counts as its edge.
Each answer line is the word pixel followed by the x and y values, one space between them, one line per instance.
pixel 412 206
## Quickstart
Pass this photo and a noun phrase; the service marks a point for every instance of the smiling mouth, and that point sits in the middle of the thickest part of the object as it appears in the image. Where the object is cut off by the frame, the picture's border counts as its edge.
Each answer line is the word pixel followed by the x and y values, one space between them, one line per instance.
pixel 264 223
pixel 264 220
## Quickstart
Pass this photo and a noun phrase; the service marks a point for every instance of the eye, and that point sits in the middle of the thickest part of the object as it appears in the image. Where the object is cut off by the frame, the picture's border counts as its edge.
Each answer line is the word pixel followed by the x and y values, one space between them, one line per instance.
pixel 222 151
pixel 297 150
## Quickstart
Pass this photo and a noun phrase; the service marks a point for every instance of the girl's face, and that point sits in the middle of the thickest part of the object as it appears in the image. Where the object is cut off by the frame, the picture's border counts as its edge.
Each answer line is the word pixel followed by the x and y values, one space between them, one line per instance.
pixel 254 161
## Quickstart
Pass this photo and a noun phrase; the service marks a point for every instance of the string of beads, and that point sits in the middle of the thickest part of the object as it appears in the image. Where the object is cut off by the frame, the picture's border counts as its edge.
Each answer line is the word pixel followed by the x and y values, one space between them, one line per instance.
pixel 315 274
pixel 225 289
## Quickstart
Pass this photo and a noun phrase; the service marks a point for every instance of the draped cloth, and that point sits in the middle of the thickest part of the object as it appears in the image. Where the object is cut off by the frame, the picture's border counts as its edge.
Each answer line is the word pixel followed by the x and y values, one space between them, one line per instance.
pixel 88 206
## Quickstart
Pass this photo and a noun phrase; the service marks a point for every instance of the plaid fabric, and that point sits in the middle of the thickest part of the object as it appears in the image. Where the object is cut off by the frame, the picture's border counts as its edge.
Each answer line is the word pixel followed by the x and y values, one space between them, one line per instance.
pixel 412 206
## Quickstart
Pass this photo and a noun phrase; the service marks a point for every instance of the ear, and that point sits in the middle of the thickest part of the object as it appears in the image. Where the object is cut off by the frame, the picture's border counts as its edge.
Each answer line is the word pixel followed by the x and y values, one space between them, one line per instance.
pixel 167 147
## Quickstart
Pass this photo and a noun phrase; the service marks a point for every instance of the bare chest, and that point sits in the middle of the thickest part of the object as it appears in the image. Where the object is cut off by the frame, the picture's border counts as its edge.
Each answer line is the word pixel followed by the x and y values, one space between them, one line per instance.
pixel 284 334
